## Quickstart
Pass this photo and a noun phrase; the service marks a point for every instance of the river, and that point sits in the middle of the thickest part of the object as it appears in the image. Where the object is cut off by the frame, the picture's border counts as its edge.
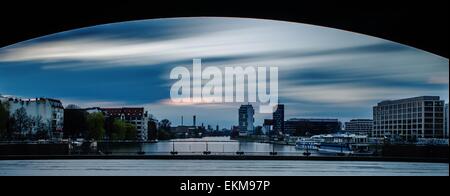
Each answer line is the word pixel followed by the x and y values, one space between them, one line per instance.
pixel 216 145
pixel 218 167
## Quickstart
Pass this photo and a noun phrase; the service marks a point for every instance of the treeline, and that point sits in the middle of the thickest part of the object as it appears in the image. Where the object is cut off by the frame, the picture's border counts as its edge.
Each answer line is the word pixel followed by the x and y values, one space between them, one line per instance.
pixel 20 126
pixel 81 124
pixel 78 123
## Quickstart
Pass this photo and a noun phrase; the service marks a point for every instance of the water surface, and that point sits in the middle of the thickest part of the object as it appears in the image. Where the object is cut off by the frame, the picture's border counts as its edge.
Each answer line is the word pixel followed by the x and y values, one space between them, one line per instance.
pixel 218 167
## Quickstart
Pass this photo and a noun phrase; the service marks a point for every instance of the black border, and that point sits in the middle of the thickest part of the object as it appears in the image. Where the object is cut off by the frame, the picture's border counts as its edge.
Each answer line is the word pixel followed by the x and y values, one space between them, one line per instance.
pixel 420 24
pixel 416 23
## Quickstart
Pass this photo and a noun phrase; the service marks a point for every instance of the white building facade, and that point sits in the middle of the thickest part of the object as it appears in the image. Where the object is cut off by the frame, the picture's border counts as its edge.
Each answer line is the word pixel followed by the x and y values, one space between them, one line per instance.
pixel 135 116
pixel 49 111
pixel 417 117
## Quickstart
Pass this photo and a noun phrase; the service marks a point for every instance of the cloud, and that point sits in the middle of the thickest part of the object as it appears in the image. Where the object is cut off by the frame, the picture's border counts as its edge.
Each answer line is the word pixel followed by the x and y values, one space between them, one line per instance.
pixel 348 94
pixel 438 80
pixel 252 38
pixel 194 102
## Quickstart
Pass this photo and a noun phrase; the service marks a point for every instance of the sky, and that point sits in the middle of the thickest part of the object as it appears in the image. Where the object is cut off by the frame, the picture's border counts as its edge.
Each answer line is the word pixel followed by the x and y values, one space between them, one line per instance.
pixel 323 72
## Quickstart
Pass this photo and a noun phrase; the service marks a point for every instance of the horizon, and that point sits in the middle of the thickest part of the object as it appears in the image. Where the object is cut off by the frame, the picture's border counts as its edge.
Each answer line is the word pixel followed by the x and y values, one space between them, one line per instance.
pixel 213 125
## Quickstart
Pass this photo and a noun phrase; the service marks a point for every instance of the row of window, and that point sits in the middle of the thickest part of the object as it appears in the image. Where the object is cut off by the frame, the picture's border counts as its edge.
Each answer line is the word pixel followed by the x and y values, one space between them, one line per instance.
pixel 416 115
pixel 359 127
pixel 410 110
pixel 133 118
pixel 418 126
pixel 409 132
pixel 412 104
pixel 409 121
pixel 426 133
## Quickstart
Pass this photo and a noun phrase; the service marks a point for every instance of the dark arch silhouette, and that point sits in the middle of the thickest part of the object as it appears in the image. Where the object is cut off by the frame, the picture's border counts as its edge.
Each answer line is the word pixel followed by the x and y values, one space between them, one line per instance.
pixel 424 26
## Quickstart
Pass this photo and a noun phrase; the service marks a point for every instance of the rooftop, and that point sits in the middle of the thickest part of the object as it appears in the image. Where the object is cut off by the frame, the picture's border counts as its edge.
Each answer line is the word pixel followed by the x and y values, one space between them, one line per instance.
pixel 421 98
pixel 313 120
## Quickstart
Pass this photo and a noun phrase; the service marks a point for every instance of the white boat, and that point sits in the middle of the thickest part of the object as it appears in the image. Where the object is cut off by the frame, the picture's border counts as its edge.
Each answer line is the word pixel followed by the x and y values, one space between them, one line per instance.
pixel 307 144
pixel 336 144
pixel 340 149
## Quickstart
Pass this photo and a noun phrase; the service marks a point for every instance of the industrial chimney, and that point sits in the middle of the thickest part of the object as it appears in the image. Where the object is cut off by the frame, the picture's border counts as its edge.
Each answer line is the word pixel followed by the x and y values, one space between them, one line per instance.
pixel 194 121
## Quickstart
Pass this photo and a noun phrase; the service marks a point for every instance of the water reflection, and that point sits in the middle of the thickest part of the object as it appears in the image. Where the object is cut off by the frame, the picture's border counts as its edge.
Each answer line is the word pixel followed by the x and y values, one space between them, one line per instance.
pixel 216 145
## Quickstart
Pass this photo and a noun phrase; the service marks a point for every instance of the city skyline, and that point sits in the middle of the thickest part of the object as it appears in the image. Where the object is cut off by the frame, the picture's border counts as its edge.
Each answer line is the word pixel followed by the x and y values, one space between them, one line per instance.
pixel 324 72
pixel 277 115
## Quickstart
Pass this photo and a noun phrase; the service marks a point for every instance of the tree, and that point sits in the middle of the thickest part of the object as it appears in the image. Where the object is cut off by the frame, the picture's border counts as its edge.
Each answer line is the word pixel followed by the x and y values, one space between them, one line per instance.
pixel 164 135
pixel 4 118
pixel 258 130
pixel 165 125
pixel 42 130
pixel 118 130
pixel 22 123
pixel 131 131
pixel 121 130
pixel 209 128
pixel 152 130
pixel 95 125
pixel 73 106
pixel 164 130
pixel 75 123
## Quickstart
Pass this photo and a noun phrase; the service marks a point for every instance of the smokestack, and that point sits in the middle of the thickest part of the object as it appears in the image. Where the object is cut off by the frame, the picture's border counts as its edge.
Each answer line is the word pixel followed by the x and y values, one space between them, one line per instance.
pixel 194 120
pixel 182 123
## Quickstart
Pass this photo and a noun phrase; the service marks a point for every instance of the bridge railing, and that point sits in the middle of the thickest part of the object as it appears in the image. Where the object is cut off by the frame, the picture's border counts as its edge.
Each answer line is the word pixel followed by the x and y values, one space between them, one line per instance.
pixel 183 147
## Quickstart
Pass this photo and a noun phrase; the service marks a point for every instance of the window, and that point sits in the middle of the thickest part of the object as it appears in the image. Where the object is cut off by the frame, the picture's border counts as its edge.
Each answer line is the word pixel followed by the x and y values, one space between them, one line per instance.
pixel 428 103
pixel 428 115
